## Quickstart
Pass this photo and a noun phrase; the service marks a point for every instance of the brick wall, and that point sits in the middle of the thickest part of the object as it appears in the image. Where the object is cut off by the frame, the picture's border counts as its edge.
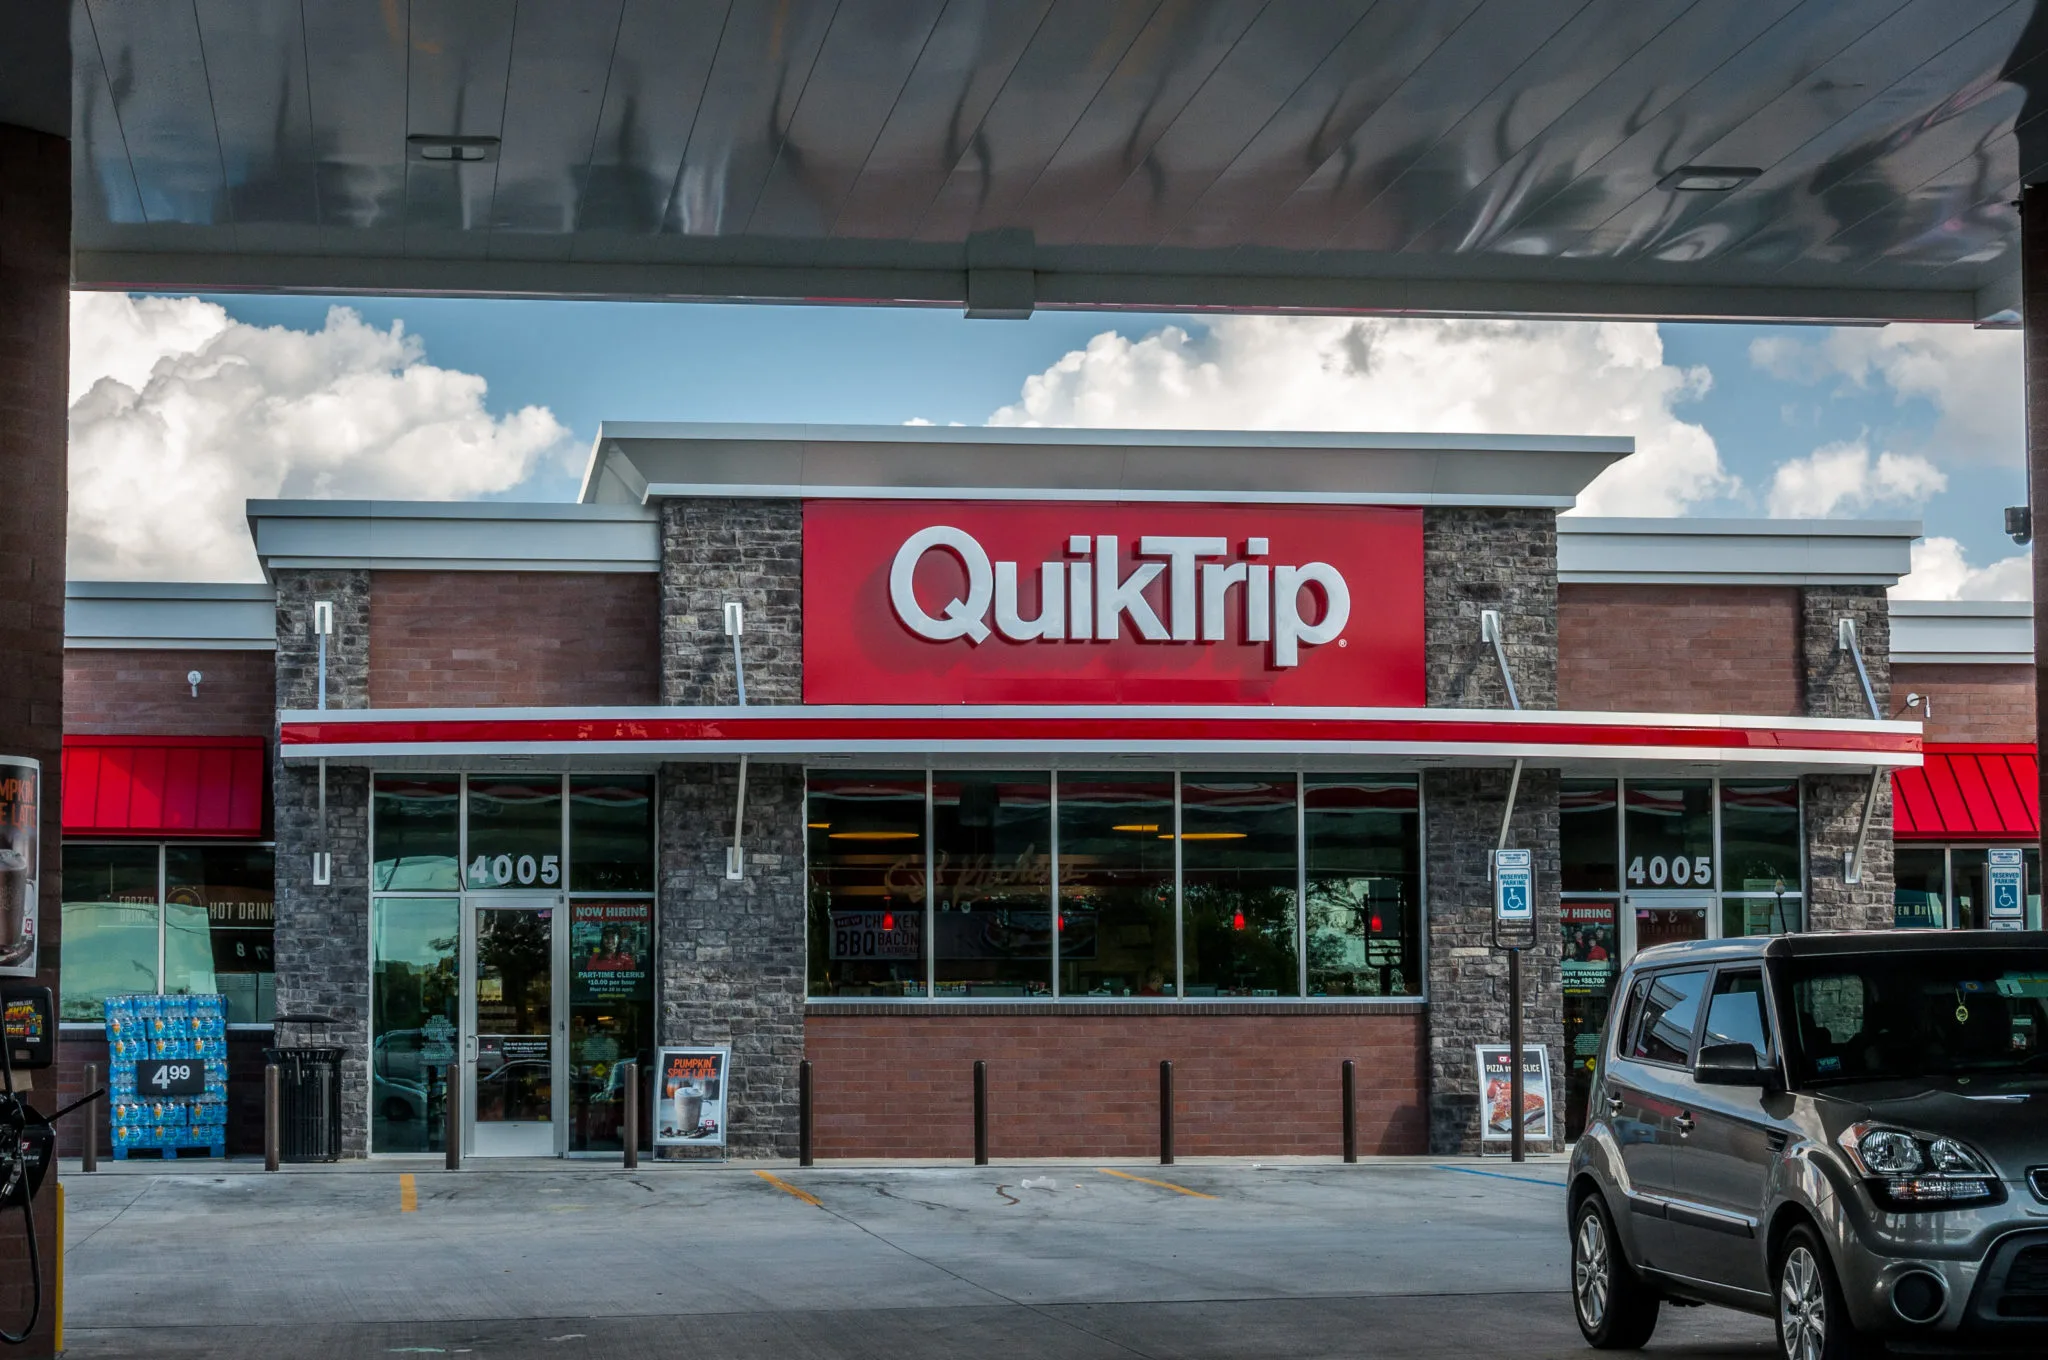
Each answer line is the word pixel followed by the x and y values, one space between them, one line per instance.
pixel 1679 649
pixel 142 692
pixel 76 1048
pixel 1971 703
pixel 35 330
pixel 1066 1085
pixel 457 639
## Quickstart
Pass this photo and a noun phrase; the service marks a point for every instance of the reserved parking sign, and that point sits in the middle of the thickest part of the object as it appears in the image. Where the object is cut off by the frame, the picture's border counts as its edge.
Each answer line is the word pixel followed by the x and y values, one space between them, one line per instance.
pixel 1514 889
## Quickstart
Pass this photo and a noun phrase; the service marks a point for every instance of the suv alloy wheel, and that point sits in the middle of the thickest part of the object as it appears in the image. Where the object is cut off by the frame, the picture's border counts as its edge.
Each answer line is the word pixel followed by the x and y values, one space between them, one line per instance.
pixel 1616 1308
pixel 1813 1323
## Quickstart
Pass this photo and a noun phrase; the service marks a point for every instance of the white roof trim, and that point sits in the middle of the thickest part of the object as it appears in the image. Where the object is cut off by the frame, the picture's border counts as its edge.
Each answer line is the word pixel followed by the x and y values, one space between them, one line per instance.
pixel 1963 632
pixel 455 536
pixel 636 462
pixel 170 615
pixel 1593 550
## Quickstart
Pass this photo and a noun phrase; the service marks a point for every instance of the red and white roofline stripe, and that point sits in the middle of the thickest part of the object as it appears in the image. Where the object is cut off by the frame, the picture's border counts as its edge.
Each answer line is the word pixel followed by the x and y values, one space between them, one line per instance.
pixel 1472 736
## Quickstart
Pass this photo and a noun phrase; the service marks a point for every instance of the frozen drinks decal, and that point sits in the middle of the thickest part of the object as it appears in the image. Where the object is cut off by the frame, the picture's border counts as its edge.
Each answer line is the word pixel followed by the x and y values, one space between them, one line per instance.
pixel 20 791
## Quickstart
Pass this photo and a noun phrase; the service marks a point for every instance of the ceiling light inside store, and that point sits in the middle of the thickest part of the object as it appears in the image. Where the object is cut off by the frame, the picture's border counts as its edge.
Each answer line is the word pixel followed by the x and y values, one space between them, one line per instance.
pixel 1137 826
pixel 874 835
pixel 1208 836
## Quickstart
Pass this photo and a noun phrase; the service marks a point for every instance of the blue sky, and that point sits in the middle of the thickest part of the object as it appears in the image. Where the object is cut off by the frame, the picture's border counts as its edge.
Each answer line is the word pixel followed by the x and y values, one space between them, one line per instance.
pixel 587 362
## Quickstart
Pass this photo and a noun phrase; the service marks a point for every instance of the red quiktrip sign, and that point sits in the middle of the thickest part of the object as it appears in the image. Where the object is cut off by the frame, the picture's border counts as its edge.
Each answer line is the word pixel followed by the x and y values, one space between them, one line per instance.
pixel 980 602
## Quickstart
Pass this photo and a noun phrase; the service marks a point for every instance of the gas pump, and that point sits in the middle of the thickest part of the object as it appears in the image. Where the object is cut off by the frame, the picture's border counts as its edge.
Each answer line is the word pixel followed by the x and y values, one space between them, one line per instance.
pixel 28 1141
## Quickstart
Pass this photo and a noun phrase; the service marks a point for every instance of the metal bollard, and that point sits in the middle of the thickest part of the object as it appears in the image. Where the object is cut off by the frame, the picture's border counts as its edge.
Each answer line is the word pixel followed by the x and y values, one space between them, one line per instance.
pixel 629 1124
pixel 980 1113
pixel 803 1113
pixel 89 1155
pixel 271 1133
pixel 451 1121
pixel 1350 1110
pixel 1166 1112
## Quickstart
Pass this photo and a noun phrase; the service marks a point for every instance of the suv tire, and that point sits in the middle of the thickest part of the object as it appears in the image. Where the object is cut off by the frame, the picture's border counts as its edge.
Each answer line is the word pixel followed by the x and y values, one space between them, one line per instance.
pixel 1616 1308
pixel 1813 1322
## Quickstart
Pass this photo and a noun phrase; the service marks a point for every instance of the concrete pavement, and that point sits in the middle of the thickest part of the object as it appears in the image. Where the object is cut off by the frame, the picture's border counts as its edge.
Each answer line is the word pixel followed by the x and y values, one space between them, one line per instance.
pixel 1204 1260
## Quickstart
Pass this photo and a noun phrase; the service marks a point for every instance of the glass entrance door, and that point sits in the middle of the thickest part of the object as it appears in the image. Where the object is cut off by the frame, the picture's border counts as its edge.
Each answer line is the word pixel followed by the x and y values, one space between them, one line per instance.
pixel 515 1021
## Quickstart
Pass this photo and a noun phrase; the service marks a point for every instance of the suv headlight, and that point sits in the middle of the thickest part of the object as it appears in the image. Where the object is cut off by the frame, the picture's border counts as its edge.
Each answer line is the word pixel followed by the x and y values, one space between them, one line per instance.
pixel 1914 1171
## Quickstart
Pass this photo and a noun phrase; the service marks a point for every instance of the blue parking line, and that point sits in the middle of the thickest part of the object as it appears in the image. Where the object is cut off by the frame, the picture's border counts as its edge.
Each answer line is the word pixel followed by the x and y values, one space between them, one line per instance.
pixel 1502 1176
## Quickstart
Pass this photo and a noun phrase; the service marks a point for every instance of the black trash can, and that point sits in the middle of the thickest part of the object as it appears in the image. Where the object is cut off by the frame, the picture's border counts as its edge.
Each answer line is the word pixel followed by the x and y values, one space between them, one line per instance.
pixel 308 1103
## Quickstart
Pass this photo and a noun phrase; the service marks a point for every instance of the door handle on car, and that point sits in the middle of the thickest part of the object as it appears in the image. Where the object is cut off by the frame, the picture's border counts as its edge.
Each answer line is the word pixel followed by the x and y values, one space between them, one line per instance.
pixel 1684 1122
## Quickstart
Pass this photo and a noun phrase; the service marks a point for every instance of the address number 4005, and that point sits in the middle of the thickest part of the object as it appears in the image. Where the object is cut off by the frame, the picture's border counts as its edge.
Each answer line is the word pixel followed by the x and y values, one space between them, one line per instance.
pixel 526 870
pixel 1678 870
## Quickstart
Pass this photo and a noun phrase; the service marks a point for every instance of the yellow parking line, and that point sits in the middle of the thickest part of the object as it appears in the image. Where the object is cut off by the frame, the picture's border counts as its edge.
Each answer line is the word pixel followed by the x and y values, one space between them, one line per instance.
pixel 786 1188
pixel 1147 1180
pixel 408 1195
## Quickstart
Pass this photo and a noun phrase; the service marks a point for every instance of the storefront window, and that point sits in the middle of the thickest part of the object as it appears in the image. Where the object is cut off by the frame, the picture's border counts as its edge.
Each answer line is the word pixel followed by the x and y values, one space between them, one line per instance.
pixel 611 833
pixel 1589 835
pixel 1970 881
pixel 1670 828
pixel 1776 915
pixel 1240 871
pixel 867 910
pixel 1920 889
pixel 418 833
pixel 219 925
pixel 515 833
pixel 110 926
pixel 1364 903
pixel 992 877
pixel 1760 841
pixel 415 1008
pixel 1116 924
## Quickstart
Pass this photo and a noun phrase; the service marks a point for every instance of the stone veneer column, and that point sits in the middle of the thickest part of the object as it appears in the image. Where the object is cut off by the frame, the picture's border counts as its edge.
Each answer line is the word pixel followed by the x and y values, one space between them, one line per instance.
pixel 323 959
pixel 1475 560
pixel 732 954
pixel 1834 802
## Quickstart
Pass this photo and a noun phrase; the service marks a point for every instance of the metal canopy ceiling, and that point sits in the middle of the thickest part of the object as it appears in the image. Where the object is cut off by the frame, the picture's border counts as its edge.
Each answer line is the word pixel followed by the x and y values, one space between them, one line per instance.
pixel 1440 156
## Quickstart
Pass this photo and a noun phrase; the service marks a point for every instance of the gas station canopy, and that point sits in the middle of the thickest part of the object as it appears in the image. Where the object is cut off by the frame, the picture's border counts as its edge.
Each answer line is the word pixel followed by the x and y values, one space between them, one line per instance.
pixel 1775 159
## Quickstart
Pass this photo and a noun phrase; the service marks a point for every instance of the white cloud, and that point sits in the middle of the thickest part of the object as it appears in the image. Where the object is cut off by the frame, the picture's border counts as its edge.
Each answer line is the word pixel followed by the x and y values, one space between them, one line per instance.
pixel 1942 571
pixel 1972 378
pixel 1843 478
pixel 1476 377
pixel 179 413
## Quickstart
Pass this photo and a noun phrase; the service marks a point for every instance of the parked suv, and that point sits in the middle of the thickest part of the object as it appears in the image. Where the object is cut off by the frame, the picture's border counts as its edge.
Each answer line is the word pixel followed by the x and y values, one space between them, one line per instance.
pixel 1848 1133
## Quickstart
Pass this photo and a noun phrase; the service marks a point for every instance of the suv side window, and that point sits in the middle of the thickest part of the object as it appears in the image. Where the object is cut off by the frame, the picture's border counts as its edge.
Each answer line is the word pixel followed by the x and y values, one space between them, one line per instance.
pixel 1736 1014
pixel 1625 1026
pixel 1671 1008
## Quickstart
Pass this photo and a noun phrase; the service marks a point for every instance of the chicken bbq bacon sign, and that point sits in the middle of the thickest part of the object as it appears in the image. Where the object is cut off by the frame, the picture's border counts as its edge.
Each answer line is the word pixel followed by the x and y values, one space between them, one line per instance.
pixel 1047 602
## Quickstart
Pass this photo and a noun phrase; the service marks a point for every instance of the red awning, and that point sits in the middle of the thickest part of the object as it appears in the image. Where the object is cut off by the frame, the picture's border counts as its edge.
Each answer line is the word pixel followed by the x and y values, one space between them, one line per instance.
pixel 1969 793
pixel 164 786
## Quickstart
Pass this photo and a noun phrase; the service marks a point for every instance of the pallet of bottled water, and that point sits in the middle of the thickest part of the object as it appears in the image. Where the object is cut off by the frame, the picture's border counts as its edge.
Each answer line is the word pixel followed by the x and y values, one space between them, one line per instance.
pixel 167 1074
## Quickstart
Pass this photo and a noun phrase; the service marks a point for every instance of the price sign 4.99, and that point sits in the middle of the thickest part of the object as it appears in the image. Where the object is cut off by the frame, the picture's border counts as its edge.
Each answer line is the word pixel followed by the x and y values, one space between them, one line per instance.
pixel 170 1077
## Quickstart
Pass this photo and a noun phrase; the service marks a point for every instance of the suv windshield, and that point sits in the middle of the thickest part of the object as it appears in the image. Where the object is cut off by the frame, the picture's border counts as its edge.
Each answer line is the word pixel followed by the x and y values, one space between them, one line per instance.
pixel 1886 1016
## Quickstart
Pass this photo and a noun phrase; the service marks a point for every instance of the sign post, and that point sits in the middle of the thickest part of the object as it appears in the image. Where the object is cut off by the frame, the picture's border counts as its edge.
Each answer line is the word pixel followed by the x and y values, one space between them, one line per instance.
pixel 1514 929
pixel 2008 890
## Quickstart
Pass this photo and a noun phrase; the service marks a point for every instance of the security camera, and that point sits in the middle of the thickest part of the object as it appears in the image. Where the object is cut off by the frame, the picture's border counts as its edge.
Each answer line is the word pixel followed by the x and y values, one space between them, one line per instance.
pixel 2019 522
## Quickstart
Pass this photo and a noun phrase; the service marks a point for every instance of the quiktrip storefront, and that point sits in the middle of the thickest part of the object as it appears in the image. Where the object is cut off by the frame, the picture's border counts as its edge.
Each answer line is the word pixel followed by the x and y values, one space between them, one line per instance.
pixel 1069 752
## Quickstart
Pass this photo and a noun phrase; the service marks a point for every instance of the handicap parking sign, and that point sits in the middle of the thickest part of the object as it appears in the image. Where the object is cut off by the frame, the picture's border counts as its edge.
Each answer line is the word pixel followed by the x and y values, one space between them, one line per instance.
pixel 2008 884
pixel 1514 887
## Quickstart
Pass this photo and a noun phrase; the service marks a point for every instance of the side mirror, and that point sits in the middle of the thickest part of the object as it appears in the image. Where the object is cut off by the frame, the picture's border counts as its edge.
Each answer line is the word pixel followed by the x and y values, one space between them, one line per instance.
pixel 1731 1065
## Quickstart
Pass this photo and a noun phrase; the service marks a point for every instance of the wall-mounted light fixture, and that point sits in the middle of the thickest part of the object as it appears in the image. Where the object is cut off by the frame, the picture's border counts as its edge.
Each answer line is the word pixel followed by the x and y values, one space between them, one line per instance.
pixel 193 678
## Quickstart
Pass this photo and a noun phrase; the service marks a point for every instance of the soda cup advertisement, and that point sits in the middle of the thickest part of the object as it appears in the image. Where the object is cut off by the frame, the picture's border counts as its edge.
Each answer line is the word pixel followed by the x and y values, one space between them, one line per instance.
pixel 20 789
pixel 689 1097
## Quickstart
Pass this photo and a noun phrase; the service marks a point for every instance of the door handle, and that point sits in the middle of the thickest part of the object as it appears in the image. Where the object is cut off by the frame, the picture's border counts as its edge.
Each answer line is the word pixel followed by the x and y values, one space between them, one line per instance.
pixel 1684 1123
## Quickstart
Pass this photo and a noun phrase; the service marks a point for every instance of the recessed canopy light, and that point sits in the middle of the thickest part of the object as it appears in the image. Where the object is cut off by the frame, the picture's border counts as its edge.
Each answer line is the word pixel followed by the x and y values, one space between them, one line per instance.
pixel 1708 179
pixel 451 150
